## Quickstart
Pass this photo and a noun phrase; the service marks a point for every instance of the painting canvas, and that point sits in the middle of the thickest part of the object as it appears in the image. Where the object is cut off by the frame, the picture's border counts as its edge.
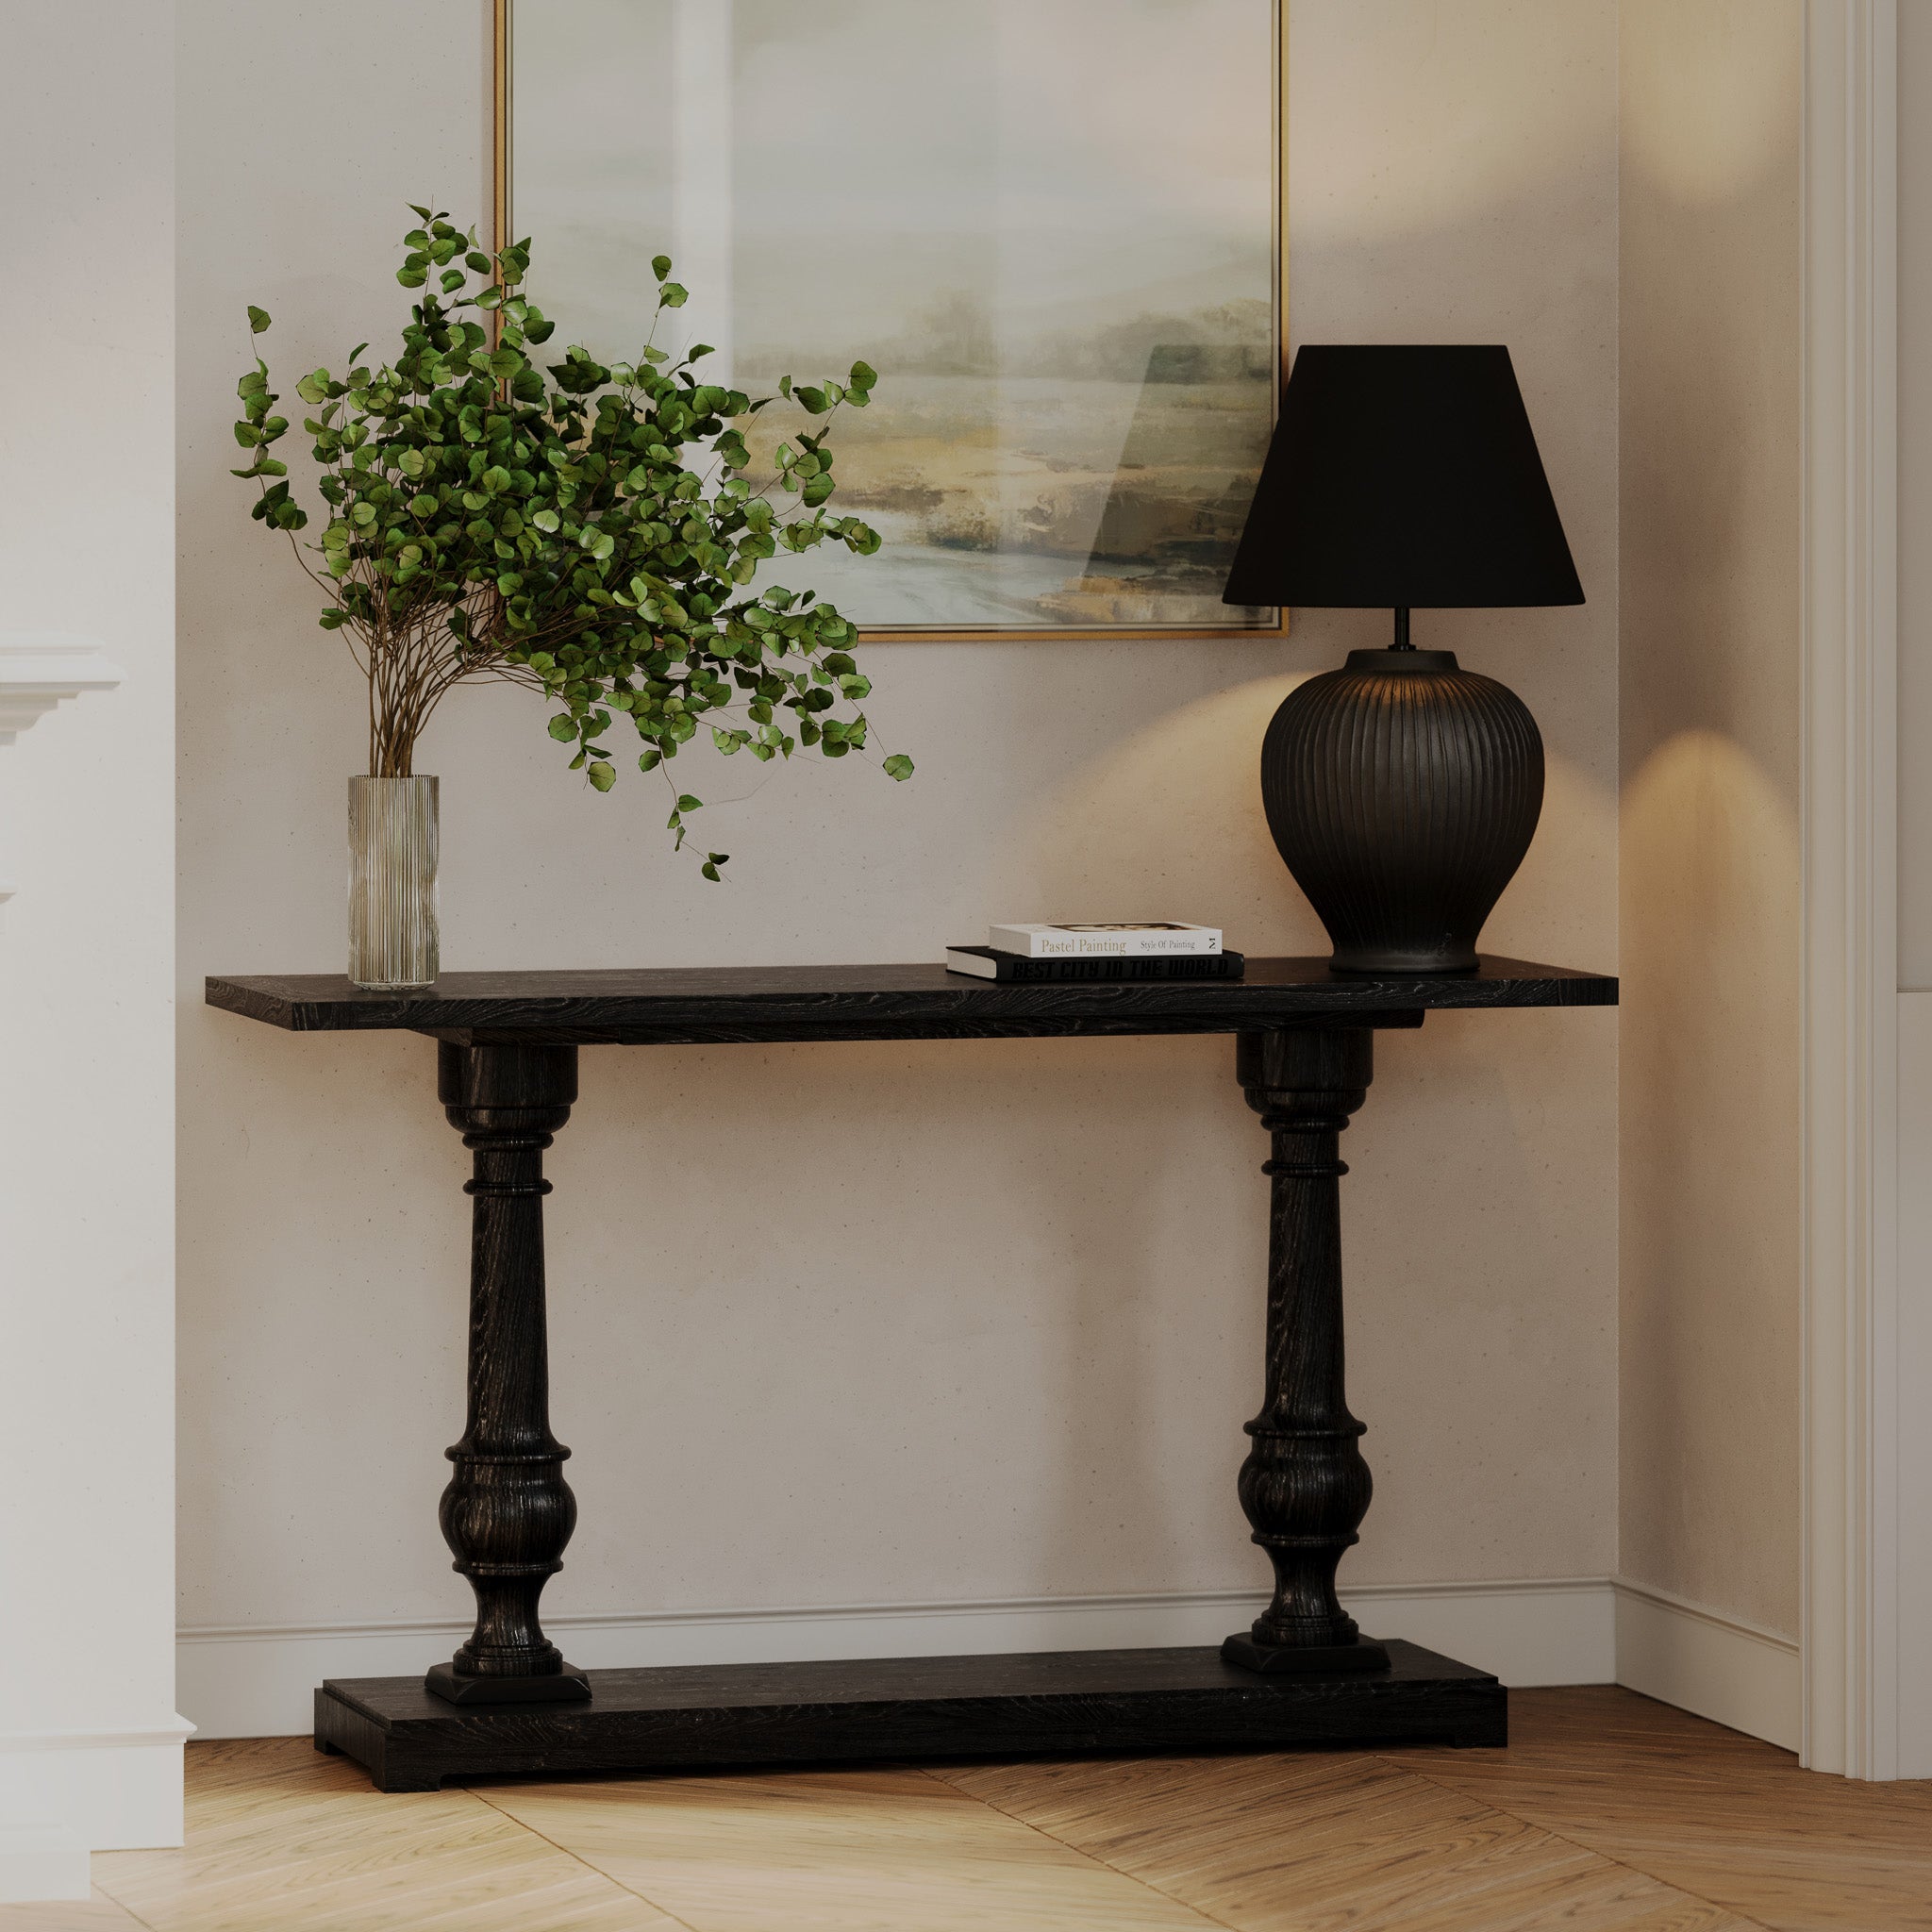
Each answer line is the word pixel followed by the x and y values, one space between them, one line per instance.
pixel 1050 224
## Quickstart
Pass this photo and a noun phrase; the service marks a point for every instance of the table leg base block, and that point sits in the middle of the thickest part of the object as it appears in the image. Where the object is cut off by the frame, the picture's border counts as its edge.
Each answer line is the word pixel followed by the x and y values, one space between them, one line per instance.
pixel 1272 1659
pixel 566 1686
pixel 1049 1702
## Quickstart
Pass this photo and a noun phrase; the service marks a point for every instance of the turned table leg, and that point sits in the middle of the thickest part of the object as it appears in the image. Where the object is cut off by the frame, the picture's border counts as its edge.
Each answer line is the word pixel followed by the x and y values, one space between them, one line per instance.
pixel 507 1511
pixel 1305 1487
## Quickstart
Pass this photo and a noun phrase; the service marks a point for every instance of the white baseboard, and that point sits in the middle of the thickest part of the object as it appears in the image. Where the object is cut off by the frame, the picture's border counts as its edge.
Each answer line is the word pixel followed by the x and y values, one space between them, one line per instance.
pixel 257 1681
pixel 1720 1667
pixel 42 1861
pixel 105 1790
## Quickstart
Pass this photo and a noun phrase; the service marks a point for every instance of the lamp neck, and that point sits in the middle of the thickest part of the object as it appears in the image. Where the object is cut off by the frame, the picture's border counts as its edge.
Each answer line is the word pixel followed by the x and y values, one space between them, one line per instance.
pixel 1402 642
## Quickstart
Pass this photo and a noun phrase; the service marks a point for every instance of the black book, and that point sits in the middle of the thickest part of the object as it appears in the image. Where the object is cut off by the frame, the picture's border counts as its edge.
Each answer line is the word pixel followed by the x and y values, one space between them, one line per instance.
pixel 983 962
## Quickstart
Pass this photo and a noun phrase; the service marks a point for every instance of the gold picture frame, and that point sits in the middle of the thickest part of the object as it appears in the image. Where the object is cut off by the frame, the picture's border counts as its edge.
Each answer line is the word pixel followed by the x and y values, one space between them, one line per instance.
pixel 504 180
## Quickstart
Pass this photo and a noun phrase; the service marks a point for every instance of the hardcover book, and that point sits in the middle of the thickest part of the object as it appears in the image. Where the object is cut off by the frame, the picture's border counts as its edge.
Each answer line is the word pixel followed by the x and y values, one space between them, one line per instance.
pixel 989 962
pixel 1124 940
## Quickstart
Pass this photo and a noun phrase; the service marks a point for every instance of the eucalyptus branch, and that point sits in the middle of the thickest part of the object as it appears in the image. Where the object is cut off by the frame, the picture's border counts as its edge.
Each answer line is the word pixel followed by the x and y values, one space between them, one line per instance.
pixel 487 519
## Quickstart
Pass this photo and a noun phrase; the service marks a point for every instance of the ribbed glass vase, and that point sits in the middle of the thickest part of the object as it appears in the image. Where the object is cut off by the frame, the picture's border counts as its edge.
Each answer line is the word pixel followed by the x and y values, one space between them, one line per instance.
pixel 393 930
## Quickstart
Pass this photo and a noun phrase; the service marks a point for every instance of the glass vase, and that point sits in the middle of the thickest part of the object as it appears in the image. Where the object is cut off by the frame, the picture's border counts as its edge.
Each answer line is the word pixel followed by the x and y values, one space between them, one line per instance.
pixel 393 930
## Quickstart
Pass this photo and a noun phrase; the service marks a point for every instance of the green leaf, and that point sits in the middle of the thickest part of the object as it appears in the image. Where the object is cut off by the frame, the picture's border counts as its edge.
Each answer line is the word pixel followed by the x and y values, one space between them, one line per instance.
pixel 863 375
pixel 661 266
pixel 477 503
pixel 899 766
pixel 258 319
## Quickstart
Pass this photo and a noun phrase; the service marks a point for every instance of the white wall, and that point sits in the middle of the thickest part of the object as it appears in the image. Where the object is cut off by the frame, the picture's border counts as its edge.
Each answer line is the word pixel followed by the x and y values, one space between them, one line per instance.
pixel 89 1740
pixel 914 1323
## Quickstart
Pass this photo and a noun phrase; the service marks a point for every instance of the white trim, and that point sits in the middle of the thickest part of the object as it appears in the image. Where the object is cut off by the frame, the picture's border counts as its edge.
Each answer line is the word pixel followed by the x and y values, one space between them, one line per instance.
pixel 243 1681
pixel 40 669
pixel 1914 1372
pixel 1720 1667
pixel 42 1861
pixel 176 1731
pixel 114 1791
pixel 1850 888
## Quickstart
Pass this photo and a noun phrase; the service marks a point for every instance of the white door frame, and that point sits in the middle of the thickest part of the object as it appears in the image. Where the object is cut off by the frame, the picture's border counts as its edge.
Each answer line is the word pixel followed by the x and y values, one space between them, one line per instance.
pixel 1852 1372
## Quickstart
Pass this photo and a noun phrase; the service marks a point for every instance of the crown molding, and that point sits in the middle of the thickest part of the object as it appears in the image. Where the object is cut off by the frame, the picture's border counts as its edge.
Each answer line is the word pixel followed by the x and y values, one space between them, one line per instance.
pixel 40 669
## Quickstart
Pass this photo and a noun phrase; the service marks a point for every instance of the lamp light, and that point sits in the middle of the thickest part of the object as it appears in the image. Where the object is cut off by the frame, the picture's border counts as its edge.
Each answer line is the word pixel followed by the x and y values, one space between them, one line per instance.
pixel 1402 790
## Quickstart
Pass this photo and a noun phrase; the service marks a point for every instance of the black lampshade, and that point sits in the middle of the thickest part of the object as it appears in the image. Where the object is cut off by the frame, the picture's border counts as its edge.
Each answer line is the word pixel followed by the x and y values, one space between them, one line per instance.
pixel 1403 477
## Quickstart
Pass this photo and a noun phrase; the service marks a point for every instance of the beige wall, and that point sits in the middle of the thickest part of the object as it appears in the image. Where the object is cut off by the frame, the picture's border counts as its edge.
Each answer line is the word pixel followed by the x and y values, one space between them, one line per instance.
pixel 1708 854
pixel 891 1323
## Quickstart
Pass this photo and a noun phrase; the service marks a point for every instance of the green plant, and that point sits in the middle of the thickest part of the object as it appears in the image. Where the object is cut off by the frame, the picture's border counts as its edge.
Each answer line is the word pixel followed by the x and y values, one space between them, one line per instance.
pixel 487 518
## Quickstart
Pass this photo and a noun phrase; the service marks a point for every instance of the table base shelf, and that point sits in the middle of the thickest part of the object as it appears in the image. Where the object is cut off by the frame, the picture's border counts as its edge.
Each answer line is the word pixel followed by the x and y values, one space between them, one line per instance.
pixel 1054 1702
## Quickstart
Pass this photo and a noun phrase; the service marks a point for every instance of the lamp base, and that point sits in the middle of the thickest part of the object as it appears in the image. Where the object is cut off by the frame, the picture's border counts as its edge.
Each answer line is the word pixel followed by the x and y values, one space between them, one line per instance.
pixel 1403 792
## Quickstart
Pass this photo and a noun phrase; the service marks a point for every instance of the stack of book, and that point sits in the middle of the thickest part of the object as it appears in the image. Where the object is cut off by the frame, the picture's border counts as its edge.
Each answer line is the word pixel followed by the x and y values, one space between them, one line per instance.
pixel 1161 949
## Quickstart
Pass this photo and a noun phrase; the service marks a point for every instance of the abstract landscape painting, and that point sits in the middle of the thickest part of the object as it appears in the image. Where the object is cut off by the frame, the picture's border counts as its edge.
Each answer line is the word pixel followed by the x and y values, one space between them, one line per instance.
pixel 1049 224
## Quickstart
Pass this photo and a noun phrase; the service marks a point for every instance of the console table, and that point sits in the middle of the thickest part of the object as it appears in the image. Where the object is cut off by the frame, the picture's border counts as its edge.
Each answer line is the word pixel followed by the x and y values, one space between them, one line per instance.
pixel 507 1703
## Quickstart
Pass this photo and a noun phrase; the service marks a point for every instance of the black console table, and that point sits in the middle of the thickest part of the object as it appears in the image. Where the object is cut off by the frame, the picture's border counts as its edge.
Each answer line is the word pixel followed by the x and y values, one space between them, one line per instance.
pixel 508 1703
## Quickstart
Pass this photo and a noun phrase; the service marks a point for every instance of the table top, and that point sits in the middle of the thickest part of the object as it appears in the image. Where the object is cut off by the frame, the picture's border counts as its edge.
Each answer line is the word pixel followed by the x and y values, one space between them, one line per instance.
pixel 694 1003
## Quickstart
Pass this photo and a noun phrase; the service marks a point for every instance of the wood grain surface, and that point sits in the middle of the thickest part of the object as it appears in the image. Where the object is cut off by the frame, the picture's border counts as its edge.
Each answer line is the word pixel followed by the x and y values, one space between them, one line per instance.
pixel 1708 1809
pixel 673 1004
pixel 1608 1814
pixel 681 1717
pixel 281 1840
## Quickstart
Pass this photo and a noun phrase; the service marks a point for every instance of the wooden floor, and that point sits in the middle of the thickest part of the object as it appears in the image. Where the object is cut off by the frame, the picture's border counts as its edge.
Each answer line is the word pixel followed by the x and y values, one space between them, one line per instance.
pixel 1608 1814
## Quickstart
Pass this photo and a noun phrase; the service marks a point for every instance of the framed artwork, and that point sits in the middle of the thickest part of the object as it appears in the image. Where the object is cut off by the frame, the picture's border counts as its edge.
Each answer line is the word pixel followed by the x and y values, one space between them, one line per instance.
pixel 1053 226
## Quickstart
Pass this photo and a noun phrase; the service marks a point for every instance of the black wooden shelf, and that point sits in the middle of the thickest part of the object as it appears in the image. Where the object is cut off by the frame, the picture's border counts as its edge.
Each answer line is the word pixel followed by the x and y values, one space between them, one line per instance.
pixel 886 1707
pixel 670 1005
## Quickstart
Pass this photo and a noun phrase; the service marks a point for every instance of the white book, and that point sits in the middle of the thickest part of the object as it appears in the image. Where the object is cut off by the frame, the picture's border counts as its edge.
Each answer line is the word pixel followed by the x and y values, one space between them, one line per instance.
pixel 1104 940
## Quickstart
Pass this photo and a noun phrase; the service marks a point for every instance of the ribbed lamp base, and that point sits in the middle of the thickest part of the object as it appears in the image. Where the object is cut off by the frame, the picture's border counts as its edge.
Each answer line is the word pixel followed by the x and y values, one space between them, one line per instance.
pixel 1403 792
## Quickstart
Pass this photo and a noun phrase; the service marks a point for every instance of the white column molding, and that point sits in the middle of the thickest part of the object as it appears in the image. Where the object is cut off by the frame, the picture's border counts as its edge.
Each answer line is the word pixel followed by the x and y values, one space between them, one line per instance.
pixel 37 669
pixel 1850 1405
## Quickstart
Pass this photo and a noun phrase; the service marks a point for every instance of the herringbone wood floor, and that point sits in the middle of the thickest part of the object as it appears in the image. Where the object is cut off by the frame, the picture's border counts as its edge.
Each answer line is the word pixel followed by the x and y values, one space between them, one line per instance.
pixel 1608 1814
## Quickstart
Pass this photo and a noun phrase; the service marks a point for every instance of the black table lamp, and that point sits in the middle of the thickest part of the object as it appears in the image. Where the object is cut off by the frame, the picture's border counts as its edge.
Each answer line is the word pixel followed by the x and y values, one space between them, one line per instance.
pixel 1402 790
